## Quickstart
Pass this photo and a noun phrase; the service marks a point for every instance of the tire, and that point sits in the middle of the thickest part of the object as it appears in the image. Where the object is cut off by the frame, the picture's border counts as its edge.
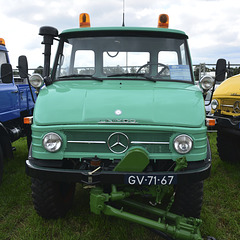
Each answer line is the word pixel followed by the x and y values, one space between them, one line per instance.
pixel 228 146
pixel 52 199
pixel 28 135
pixel 1 164
pixel 188 199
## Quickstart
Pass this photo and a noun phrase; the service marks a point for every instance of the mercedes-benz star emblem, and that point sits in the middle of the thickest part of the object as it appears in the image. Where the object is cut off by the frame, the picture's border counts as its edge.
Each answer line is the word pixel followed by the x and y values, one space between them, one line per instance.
pixel 236 107
pixel 118 142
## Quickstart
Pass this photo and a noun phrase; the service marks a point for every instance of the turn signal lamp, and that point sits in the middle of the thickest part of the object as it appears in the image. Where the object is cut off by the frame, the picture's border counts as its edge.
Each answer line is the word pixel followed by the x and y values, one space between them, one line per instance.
pixel 2 41
pixel 163 21
pixel 84 20
pixel 28 120
pixel 210 122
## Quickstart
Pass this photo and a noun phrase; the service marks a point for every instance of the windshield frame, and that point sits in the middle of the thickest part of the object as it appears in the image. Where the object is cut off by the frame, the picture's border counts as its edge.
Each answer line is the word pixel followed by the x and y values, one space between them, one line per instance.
pixel 155 34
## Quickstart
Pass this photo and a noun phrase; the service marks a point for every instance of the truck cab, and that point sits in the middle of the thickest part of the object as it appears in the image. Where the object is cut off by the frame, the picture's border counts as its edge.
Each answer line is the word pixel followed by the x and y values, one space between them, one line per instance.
pixel 8 91
pixel 120 111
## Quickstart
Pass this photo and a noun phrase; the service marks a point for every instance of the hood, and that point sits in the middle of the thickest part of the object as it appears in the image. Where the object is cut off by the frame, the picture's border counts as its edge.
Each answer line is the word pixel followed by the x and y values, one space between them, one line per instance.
pixel 88 102
pixel 230 87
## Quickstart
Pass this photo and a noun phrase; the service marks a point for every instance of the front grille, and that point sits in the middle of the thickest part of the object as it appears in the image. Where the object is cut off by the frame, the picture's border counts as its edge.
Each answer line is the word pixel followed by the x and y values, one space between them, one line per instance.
pixel 230 106
pixel 98 142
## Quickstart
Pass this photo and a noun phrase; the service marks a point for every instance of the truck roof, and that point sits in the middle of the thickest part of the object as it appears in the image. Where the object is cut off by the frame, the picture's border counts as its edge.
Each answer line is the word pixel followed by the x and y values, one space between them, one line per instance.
pixel 126 31
pixel 3 48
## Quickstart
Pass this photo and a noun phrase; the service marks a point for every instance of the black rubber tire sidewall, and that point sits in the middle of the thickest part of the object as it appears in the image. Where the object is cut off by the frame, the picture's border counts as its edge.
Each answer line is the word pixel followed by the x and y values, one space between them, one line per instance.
pixel 188 199
pixel 52 199
pixel 228 146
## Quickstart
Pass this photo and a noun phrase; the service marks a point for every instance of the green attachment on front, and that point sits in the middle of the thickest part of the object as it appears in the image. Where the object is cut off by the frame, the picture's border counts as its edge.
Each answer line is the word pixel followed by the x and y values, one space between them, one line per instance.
pixel 98 198
pixel 178 227
pixel 135 160
pixel 181 163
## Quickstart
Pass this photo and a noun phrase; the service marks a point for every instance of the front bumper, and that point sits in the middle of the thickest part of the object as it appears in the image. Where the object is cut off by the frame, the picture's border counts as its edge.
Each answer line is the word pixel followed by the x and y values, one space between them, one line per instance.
pixel 196 171
pixel 228 124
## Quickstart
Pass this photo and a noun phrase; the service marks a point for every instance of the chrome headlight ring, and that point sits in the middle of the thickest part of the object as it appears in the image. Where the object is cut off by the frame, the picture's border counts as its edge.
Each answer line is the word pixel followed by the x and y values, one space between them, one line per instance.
pixel 206 83
pixel 36 80
pixel 214 104
pixel 52 142
pixel 183 144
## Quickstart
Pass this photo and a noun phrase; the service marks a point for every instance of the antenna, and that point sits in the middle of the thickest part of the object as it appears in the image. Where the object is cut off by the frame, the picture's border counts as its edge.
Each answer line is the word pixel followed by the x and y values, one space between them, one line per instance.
pixel 123 24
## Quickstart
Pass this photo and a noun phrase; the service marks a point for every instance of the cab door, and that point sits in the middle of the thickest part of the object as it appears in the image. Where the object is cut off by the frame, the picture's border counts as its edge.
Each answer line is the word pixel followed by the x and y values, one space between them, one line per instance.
pixel 9 96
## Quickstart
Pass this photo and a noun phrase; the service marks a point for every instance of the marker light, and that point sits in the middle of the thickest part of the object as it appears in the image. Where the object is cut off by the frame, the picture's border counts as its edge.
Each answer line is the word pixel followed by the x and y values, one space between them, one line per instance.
pixel 210 122
pixel 2 41
pixel 163 21
pixel 84 20
pixel 36 80
pixel 206 82
pixel 28 120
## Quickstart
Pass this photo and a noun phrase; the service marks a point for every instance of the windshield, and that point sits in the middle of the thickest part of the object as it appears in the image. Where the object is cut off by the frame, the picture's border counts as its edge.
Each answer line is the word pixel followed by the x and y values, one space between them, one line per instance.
pixel 126 57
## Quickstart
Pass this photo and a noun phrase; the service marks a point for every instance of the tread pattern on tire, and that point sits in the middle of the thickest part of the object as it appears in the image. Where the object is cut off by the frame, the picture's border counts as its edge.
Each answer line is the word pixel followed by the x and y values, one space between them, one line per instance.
pixel 228 146
pixel 188 199
pixel 52 199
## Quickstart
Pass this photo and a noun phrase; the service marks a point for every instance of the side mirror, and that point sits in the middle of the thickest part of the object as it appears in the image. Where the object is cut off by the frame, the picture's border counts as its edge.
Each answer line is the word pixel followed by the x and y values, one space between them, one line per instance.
pixel 221 70
pixel 23 66
pixel 6 73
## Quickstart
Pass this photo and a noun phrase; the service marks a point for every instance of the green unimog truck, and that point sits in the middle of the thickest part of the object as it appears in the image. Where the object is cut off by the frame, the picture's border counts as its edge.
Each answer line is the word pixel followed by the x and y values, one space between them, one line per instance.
pixel 121 114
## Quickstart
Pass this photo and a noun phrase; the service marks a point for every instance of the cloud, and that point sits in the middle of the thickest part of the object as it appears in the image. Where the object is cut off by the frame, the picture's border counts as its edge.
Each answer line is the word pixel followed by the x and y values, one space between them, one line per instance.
pixel 212 25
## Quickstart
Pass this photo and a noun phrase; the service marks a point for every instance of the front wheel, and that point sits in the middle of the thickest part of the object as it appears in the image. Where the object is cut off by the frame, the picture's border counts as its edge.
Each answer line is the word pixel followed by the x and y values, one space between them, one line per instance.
pixel 228 146
pixel 52 199
pixel 188 199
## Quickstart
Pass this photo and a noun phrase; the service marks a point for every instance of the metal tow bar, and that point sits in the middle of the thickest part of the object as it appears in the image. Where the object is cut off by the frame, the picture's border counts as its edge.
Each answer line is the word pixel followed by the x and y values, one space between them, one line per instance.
pixel 177 227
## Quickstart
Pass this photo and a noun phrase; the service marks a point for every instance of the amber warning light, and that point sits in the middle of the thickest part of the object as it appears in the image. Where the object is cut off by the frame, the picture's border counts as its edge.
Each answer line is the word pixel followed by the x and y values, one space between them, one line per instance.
pixel 2 42
pixel 163 21
pixel 84 20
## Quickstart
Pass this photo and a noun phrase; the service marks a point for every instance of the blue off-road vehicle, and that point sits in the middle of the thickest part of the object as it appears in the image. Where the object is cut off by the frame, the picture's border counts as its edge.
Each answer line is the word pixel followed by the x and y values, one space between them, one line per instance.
pixel 16 102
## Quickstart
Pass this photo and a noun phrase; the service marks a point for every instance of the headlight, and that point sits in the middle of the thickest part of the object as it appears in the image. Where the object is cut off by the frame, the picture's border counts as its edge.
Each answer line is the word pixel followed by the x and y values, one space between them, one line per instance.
pixel 52 142
pixel 183 144
pixel 214 104
pixel 36 80
pixel 206 82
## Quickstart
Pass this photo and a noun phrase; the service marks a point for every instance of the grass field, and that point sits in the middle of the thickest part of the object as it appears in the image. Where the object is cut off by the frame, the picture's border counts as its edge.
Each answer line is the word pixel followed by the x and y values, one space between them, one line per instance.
pixel 18 219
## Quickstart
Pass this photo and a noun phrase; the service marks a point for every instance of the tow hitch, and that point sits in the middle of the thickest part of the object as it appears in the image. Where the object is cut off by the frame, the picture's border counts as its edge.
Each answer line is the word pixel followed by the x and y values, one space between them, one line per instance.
pixel 175 226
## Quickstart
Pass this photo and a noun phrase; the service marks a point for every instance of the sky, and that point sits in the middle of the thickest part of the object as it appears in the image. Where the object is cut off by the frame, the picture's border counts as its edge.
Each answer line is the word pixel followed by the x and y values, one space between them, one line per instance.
pixel 211 25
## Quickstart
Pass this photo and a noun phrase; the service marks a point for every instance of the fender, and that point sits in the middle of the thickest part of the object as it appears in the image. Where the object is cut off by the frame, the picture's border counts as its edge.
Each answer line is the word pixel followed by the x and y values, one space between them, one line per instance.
pixel 5 142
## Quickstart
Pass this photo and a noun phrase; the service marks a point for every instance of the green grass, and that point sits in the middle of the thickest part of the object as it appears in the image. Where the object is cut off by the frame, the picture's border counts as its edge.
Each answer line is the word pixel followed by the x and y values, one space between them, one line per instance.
pixel 221 207
pixel 18 219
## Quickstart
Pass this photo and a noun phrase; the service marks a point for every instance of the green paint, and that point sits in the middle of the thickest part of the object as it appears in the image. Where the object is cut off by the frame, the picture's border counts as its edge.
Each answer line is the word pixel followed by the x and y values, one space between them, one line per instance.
pixel 181 163
pixel 178 227
pixel 136 160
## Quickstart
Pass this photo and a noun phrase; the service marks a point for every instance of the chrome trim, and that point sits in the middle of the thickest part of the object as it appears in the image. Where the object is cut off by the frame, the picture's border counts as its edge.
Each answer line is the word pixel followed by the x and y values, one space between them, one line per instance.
pixel 150 143
pixel 236 107
pixel 89 142
pixel 225 105
pixel 114 140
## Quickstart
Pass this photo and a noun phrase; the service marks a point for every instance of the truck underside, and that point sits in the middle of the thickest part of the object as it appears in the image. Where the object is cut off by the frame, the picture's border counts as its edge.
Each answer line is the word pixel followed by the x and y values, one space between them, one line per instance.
pixel 154 201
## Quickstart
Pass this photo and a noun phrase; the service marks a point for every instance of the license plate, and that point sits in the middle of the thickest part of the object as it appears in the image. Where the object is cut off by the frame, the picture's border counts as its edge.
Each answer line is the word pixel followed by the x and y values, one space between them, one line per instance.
pixel 135 179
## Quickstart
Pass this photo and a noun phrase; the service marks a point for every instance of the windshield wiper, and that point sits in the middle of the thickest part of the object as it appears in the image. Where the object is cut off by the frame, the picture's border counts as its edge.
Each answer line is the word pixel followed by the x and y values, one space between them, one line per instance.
pixel 134 75
pixel 126 74
pixel 80 76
